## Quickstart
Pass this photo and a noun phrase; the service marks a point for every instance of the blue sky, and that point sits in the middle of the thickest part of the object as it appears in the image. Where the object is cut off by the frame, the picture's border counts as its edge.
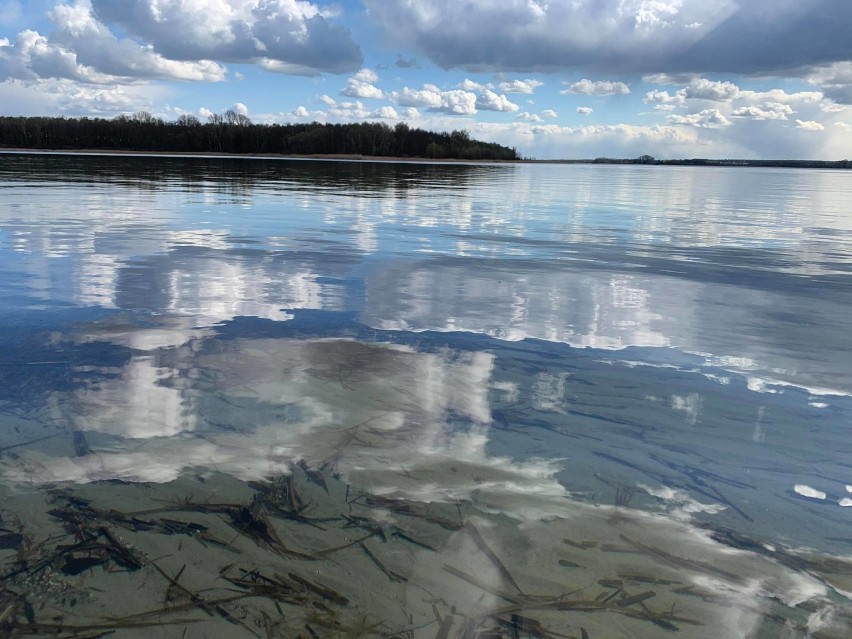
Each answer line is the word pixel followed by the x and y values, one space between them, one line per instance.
pixel 554 78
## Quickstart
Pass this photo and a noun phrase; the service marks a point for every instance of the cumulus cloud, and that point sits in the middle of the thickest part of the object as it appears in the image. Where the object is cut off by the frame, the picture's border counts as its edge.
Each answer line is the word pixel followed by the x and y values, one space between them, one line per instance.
pixel 289 36
pixel 84 50
pixel 696 89
pixel 387 113
pixel 461 101
pixel 519 86
pixel 457 103
pixel 583 110
pixel 366 75
pixel 361 85
pixel 704 89
pixel 663 100
pixel 549 113
pixel 809 125
pixel 454 102
pixel 706 119
pixel 490 101
pixel 349 111
pixel 765 111
pixel 470 85
pixel 625 36
pixel 526 116
pixel 343 111
pixel 599 87
pixel 429 96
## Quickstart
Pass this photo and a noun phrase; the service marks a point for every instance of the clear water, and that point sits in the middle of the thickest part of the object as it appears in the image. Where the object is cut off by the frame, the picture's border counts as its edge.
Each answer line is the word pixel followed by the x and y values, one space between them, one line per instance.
pixel 565 382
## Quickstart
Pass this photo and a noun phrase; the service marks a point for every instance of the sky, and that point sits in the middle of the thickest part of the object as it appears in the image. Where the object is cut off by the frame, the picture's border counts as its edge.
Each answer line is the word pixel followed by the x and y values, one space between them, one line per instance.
pixel 552 78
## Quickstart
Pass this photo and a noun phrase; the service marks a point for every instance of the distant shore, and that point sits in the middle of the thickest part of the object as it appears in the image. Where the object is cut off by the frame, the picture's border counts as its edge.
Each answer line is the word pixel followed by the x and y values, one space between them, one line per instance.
pixel 353 157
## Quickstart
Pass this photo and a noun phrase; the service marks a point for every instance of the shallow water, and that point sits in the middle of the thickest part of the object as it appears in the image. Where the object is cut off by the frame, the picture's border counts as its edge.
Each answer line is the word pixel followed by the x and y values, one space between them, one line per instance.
pixel 512 399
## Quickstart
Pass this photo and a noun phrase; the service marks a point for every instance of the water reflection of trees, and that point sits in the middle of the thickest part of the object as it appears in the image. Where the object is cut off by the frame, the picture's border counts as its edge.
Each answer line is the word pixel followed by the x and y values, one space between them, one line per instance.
pixel 244 176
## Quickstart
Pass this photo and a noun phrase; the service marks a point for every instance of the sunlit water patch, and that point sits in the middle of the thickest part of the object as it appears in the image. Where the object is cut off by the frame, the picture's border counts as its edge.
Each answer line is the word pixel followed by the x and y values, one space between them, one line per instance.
pixel 360 399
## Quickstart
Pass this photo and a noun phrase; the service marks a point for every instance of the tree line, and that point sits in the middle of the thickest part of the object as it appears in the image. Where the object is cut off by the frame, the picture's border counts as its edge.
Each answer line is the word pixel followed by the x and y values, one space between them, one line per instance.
pixel 233 132
pixel 796 164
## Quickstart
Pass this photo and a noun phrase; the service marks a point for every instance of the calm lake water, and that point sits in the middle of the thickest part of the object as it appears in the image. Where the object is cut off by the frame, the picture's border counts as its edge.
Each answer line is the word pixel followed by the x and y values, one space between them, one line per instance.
pixel 321 399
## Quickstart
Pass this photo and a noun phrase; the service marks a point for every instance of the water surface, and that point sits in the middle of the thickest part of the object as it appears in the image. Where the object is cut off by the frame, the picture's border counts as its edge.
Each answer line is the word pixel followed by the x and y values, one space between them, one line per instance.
pixel 513 399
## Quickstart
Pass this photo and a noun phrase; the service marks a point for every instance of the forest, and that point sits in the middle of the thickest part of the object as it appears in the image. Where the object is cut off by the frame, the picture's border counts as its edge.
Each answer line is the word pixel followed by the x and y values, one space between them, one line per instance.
pixel 235 133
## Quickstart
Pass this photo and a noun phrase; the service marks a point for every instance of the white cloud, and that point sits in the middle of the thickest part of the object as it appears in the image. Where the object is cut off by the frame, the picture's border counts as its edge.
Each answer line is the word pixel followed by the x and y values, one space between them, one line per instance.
pixel 526 116
pixel 361 85
pixel 470 85
pixel 843 125
pixel 354 111
pixel 520 86
pixel 582 110
pixel 349 111
pixel 706 119
pixel 386 112
pixel 704 89
pixel 765 111
pixel 697 89
pixel 457 103
pixel 287 36
pixel 779 95
pixel 454 102
pixel 429 96
pixel 663 100
pixel 809 125
pixel 549 113
pixel 327 100
pixel 82 49
pixel 599 87
pixel 366 75
pixel 240 108
pixel 490 101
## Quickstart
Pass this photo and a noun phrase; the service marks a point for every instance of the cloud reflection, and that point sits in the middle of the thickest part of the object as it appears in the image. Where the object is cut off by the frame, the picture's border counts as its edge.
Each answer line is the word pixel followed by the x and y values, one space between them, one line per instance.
pixel 408 423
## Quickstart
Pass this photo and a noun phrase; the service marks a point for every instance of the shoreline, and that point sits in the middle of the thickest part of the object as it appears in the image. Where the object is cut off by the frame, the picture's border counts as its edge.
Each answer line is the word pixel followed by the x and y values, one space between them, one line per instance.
pixel 331 157
pixel 354 157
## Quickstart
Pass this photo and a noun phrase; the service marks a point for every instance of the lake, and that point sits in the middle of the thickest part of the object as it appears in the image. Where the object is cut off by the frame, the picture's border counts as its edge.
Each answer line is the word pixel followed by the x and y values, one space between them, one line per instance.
pixel 279 398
